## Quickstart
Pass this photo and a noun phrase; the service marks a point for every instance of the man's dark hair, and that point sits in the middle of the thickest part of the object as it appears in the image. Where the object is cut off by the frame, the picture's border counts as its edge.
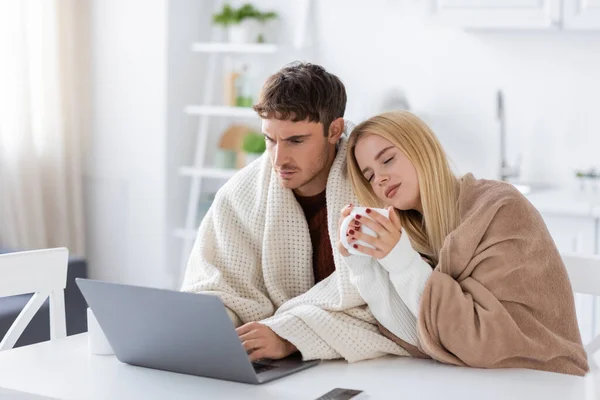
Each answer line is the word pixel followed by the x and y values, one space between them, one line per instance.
pixel 301 91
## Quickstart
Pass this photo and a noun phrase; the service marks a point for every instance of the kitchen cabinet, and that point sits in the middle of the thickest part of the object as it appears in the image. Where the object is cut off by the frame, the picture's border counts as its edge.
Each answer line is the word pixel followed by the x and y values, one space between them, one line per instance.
pixel 500 14
pixel 581 14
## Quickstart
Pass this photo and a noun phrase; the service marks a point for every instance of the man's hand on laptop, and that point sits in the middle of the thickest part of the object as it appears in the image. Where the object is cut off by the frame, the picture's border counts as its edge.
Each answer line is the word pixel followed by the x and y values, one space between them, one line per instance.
pixel 261 342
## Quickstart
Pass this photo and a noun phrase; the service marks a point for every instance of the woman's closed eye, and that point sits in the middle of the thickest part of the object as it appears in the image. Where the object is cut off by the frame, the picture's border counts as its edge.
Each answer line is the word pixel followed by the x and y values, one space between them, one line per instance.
pixel 369 178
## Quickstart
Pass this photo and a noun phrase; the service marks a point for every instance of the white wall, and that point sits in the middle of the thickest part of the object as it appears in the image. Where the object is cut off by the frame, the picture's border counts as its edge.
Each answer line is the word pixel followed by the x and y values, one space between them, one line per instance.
pixel 125 172
pixel 189 21
pixel 550 81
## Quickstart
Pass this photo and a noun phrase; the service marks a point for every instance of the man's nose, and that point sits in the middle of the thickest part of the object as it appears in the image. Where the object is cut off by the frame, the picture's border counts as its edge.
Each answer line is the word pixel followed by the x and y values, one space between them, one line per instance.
pixel 281 155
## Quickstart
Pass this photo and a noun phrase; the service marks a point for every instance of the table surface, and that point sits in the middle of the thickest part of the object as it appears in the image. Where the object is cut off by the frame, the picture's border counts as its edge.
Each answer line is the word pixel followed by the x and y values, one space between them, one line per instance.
pixel 7 394
pixel 64 369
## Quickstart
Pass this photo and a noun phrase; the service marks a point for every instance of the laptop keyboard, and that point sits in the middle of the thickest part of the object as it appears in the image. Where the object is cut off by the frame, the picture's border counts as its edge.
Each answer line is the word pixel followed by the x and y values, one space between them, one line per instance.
pixel 259 367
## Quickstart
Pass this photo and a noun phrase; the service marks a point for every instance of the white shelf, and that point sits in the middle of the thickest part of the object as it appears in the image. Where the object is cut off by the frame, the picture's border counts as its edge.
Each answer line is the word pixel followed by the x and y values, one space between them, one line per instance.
pixel 217 173
pixel 222 111
pixel 185 234
pixel 240 48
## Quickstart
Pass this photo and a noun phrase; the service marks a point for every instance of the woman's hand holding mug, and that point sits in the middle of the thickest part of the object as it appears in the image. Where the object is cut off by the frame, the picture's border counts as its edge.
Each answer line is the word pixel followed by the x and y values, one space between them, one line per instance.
pixel 368 231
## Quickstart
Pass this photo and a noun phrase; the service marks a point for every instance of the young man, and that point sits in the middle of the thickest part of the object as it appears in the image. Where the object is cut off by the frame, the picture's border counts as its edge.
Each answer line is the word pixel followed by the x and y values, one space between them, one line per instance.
pixel 265 245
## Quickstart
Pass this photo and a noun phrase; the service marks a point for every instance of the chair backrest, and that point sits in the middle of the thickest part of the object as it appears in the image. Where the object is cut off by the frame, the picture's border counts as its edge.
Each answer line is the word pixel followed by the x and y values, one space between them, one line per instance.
pixel 584 274
pixel 43 273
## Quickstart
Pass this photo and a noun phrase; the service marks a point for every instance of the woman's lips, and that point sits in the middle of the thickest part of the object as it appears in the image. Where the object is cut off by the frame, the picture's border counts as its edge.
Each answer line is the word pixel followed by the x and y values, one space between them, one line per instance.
pixel 391 191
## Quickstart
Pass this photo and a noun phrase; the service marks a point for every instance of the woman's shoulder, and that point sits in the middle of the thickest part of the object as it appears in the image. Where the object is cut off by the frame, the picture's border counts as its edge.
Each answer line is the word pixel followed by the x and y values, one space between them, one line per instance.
pixel 490 195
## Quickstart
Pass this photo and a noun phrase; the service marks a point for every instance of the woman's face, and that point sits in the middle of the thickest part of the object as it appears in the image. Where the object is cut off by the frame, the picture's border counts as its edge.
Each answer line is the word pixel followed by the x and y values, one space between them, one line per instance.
pixel 391 175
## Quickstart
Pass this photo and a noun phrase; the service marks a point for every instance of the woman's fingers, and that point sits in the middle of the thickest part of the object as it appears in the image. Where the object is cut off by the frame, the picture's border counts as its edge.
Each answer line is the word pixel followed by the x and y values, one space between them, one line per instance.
pixel 357 235
pixel 367 250
pixel 375 226
pixel 346 211
pixel 383 220
pixel 343 214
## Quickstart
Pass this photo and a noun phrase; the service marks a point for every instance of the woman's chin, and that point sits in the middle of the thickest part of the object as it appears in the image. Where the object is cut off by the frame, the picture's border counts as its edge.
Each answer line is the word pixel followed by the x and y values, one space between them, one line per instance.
pixel 400 205
pixel 396 203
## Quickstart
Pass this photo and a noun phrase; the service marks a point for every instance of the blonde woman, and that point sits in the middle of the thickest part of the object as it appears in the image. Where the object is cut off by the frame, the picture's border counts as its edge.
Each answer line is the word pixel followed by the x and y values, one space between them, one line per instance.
pixel 472 260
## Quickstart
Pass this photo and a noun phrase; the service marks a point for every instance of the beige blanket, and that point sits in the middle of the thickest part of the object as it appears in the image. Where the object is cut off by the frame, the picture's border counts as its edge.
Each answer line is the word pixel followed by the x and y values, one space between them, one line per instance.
pixel 500 296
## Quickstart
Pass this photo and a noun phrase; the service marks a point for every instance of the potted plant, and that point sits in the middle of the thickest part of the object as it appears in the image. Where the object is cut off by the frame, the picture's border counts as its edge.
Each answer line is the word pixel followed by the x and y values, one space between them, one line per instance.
pixel 253 146
pixel 242 23
pixel 263 18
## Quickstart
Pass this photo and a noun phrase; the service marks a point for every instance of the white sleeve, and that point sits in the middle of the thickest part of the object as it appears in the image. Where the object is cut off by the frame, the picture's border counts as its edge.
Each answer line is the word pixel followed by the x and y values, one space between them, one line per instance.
pixel 408 272
pixel 375 287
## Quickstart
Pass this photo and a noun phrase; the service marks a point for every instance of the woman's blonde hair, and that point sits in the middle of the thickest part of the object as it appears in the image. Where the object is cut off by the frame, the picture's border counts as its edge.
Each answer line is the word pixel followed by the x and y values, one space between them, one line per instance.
pixel 438 185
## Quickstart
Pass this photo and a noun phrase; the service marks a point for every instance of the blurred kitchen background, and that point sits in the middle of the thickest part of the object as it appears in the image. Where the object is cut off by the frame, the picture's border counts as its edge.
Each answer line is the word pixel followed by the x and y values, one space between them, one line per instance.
pixel 162 91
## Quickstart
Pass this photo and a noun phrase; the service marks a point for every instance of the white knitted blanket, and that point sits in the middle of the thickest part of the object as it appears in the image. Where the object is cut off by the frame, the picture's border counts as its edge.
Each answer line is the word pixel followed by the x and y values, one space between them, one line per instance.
pixel 254 251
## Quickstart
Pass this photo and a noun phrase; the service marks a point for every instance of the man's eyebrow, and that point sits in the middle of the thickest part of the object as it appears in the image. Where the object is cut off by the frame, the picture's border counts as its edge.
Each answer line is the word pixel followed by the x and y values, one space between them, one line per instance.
pixel 294 137
pixel 297 137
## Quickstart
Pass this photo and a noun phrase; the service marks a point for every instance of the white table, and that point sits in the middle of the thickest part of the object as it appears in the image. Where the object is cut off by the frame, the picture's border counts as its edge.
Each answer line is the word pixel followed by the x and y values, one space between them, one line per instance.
pixel 64 369
pixel 6 394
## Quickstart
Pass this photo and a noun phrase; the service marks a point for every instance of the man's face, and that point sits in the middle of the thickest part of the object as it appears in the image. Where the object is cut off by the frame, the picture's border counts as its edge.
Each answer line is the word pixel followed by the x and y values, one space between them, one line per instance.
pixel 300 153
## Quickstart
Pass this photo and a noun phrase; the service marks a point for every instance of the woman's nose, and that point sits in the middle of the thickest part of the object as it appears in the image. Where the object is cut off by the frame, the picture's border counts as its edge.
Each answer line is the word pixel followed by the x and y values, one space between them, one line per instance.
pixel 383 179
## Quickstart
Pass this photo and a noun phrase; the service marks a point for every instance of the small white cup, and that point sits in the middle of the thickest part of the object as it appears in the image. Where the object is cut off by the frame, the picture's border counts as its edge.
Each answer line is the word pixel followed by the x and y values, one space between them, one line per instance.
pixel 97 342
pixel 346 223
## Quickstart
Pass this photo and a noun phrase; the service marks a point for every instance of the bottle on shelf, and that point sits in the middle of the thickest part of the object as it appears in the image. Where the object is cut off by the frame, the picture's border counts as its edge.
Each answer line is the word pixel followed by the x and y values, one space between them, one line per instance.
pixel 243 89
pixel 229 88
pixel 230 76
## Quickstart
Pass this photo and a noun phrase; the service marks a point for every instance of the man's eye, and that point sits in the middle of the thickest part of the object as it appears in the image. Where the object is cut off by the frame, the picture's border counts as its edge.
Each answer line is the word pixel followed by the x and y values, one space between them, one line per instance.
pixel 296 141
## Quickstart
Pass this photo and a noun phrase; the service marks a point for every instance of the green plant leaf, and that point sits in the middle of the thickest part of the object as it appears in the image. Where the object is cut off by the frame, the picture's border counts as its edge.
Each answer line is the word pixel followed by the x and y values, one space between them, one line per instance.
pixel 254 143
pixel 232 16
pixel 226 17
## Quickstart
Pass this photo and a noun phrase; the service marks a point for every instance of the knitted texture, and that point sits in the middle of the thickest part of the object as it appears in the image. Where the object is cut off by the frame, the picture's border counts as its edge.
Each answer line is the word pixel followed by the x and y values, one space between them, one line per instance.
pixel 254 252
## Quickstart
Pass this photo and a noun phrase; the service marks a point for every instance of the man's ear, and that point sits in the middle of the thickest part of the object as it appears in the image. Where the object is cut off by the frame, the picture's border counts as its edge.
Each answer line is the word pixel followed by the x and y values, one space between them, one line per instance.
pixel 336 128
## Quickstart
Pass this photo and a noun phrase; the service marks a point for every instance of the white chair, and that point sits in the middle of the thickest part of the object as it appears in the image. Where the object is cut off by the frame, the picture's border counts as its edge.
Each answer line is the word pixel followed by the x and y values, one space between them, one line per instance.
pixel 42 272
pixel 584 273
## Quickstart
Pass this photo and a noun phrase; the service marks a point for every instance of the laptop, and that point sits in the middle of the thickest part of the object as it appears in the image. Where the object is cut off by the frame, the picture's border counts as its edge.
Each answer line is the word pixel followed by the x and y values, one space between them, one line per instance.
pixel 178 332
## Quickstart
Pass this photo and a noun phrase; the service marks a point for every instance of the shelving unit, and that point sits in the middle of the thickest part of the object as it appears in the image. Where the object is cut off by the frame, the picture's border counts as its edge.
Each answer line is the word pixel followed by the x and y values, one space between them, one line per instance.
pixel 234 48
pixel 217 173
pixel 218 53
pixel 222 53
pixel 220 111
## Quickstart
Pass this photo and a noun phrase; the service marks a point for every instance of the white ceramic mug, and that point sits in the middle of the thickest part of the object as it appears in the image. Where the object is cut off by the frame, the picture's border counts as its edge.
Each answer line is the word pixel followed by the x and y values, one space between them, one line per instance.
pixel 97 342
pixel 362 211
